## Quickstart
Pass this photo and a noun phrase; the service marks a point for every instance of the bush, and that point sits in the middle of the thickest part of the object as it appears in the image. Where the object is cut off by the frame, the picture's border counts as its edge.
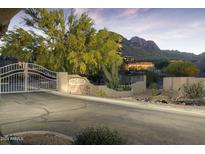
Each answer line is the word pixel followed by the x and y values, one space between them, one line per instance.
pixel 124 88
pixel 194 90
pixel 154 89
pixel 101 93
pixel 98 136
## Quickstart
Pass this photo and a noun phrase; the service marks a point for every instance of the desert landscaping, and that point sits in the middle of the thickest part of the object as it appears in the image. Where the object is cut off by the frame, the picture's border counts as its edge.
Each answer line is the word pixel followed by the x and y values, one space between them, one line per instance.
pixel 64 81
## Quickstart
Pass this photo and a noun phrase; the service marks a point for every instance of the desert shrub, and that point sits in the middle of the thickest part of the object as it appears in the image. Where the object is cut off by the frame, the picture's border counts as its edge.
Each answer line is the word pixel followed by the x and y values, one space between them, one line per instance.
pixel 101 93
pixel 193 91
pixel 154 89
pixel 98 136
pixel 124 88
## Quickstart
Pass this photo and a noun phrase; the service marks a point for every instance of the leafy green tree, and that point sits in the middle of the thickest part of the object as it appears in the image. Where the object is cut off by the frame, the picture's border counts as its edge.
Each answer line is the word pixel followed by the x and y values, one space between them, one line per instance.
pixel 161 64
pixel 63 43
pixel 19 43
pixel 182 68
pixel 105 47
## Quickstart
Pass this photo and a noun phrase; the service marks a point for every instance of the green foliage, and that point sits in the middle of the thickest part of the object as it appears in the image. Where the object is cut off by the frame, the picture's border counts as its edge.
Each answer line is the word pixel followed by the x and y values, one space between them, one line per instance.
pixel 161 64
pixel 124 88
pixel 182 68
pixel 19 43
pixel 152 77
pixel 154 89
pixel 112 76
pixel 63 43
pixel 107 45
pixel 194 90
pixel 98 136
pixel 101 93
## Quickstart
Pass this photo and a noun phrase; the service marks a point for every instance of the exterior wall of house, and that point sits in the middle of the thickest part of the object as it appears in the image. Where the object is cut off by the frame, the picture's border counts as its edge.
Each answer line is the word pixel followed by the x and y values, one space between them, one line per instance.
pixel 175 83
pixel 138 66
pixel 130 79
pixel 77 85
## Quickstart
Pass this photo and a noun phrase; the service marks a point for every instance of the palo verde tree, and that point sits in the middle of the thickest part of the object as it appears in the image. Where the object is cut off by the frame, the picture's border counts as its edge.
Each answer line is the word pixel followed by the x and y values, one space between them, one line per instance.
pixel 63 43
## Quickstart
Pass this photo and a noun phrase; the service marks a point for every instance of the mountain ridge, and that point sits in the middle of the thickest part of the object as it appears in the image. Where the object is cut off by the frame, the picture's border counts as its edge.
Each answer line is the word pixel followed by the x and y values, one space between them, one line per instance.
pixel 143 49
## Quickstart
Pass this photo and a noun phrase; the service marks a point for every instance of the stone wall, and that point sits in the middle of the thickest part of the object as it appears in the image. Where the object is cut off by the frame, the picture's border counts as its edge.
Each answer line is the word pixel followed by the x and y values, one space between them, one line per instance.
pixel 78 85
pixel 75 84
pixel 175 83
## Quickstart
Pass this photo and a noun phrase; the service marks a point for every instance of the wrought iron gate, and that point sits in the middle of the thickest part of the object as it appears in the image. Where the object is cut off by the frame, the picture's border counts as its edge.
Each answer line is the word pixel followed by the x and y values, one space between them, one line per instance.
pixel 26 77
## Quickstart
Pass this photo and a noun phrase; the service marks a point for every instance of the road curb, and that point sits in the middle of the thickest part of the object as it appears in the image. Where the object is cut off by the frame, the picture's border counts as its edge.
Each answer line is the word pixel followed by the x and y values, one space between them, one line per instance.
pixel 131 104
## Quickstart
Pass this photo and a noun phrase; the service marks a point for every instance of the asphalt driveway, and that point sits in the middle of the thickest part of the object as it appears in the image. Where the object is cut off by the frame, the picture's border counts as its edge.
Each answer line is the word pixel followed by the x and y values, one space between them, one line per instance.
pixel 49 112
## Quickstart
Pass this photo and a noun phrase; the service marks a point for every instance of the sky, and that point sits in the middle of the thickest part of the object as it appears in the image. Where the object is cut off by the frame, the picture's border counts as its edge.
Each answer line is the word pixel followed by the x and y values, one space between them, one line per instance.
pixel 174 29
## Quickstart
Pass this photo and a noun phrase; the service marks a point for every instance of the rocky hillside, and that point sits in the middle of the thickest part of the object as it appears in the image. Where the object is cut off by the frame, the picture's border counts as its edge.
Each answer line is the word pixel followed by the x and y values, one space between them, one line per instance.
pixel 149 50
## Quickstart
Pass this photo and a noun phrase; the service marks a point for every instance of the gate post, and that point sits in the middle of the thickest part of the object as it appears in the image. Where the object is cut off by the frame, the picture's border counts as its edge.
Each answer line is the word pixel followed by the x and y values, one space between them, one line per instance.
pixel 26 76
pixel 62 82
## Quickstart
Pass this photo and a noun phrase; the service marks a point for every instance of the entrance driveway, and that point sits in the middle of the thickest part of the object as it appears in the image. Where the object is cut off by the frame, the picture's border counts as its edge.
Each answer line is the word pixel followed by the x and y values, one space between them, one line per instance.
pixel 49 112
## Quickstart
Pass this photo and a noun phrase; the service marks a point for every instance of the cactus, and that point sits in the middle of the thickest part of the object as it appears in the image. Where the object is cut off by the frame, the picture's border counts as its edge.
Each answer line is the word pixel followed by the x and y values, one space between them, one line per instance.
pixel 112 76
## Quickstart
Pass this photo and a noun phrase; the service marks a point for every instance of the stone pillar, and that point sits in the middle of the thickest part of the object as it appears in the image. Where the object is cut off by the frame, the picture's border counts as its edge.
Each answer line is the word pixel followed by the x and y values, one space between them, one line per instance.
pixel 62 82
pixel 145 80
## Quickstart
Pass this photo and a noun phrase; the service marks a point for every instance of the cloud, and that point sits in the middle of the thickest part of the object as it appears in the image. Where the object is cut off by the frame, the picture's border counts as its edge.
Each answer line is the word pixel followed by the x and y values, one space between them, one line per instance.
pixel 95 14
pixel 133 11
pixel 101 15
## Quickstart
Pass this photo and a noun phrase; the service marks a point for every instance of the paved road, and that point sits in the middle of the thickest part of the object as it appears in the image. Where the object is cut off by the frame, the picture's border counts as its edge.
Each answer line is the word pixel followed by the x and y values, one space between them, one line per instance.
pixel 42 111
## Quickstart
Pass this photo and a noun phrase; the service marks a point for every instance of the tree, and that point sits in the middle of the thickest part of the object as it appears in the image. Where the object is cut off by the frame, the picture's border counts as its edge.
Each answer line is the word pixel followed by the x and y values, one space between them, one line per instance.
pixel 105 47
pixel 182 68
pixel 18 43
pixel 161 64
pixel 63 43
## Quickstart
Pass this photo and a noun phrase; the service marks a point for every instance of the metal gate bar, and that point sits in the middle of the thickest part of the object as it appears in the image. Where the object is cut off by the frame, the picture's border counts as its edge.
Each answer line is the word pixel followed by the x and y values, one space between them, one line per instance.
pixel 26 77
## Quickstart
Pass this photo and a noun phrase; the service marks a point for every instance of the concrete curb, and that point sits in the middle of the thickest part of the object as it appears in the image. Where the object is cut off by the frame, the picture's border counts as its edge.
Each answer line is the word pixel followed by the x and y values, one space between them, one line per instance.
pixel 132 104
